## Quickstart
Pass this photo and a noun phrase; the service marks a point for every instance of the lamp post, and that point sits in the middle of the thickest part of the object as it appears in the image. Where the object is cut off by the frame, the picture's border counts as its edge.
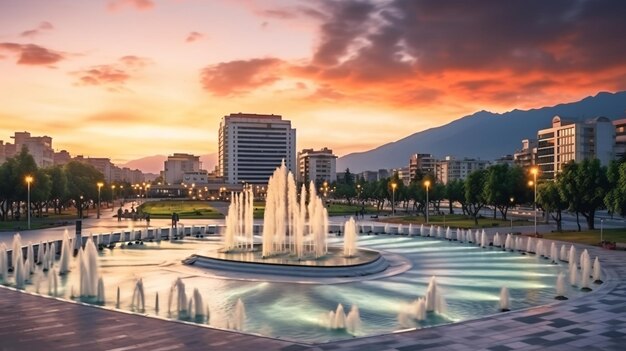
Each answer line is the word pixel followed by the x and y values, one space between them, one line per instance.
pixel 427 185
pixel 601 232
pixel 393 199
pixel 29 179
pixel 112 197
pixel 534 172
pixel 512 199
pixel 100 184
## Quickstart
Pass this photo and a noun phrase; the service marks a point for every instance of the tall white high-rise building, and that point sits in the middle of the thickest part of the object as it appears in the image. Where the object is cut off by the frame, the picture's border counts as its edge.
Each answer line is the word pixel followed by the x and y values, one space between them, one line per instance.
pixel 251 146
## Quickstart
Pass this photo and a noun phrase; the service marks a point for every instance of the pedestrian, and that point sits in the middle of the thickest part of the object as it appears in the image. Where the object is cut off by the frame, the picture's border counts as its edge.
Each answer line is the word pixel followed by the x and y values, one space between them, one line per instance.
pixel 147 219
pixel 119 214
pixel 173 219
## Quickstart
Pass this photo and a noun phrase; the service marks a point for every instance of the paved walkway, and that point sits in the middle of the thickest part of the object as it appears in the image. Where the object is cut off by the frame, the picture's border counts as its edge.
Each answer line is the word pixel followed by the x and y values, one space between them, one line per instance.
pixel 596 321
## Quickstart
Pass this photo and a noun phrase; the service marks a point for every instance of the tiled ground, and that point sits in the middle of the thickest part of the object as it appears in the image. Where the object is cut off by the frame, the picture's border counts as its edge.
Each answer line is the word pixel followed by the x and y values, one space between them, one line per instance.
pixel 593 322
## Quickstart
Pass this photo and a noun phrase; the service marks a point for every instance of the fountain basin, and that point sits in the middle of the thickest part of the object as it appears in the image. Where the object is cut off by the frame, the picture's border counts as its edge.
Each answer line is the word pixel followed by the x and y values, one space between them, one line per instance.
pixel 332 265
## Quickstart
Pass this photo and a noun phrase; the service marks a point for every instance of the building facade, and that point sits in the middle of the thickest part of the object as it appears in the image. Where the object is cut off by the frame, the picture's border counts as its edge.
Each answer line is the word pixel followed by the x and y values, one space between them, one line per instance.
pixel 425 163
pixel 527 155
pixel 252 146
pixel 317 166
pixel 569 140
pixel 620 139
pixel 177 165
pixel 40 148
pixel 450 169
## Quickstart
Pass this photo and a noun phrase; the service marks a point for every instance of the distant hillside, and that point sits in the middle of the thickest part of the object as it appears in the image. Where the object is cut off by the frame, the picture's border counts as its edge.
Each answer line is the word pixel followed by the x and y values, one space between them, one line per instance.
pixel 483 135
pixel 154 164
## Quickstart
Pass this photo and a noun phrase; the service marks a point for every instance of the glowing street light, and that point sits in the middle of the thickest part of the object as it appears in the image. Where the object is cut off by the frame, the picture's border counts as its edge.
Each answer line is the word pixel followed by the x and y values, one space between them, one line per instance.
pixel 29 179
pixel 427 185
pixel 393 198
pixel 112 197
pixel 100 185
pixel 534 172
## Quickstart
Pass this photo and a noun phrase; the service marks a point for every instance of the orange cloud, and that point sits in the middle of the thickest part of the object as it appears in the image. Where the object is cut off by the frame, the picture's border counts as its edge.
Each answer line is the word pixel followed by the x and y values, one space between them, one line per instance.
pixel 239 77
pixel 31 33
pixel 112 76
pixel 31 54
pixel 194 36
pixel 116 5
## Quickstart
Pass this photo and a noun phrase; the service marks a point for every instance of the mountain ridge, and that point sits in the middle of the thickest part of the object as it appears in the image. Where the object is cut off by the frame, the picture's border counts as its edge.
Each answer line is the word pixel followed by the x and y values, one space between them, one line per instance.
pixel 489 135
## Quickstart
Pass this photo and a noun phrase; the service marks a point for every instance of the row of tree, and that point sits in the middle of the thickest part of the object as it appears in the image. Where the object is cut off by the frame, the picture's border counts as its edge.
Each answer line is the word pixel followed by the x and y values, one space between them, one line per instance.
pixel 581 188
pixel 56 187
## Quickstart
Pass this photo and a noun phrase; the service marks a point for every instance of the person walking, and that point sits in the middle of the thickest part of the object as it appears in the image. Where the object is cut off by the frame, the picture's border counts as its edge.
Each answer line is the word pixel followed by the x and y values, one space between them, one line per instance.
pixel 119 214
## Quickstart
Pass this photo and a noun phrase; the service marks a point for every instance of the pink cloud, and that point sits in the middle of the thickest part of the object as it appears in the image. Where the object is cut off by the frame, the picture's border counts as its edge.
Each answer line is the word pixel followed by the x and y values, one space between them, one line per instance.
pixel 141 5
pixel 112 76
pixel 43 27
pixel 194 36
pixel 239 77
pixel 31 54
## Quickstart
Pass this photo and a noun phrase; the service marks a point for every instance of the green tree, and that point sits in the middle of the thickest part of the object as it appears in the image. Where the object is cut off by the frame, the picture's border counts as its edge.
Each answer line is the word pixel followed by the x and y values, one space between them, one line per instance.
pixel 584 187
pixel 549 198
pixel 504 187
pixel 474 194
pixel 455 192
pixel 81 181
pixel 58 189
pixel 615 199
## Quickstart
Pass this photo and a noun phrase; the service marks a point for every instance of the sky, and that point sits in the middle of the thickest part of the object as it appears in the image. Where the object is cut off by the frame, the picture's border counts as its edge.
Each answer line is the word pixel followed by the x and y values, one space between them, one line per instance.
pixel 131 78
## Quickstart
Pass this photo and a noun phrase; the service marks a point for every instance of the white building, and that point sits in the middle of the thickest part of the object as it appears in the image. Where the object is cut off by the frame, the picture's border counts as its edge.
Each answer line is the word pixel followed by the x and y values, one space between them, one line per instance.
pixel 40 148
pixel 252 146
pixel 177 165
pixel 317 166
pixel 450 169
pixel 570 140
pixel 424 163
pixel 527 155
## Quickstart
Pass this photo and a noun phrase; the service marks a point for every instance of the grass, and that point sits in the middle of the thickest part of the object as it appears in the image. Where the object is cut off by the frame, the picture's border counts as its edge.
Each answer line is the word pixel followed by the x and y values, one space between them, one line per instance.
pixel 333 209
pixel 50 221
pixel 185 209
pixel 458 221
pixel 589 237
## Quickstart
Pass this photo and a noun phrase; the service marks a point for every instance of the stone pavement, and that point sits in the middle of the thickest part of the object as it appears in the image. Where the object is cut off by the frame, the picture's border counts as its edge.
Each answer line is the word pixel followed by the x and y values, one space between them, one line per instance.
pixel 596 321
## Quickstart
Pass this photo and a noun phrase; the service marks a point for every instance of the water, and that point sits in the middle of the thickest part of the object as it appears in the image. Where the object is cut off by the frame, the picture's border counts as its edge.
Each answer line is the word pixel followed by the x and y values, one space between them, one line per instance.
pixel 350 238
pixel 505 299
pixel 468 276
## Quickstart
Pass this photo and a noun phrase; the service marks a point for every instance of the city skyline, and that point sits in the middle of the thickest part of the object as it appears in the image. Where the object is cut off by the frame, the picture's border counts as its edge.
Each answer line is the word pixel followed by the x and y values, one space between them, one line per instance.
pixel 132 78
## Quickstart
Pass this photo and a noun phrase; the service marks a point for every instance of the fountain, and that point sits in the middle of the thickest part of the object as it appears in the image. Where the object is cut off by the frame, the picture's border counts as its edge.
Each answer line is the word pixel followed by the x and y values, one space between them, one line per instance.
pixel 138 301
pixel 17 246
pixel 353 320
pixel 563 254
pixel 483 240
pixel 584 281
pixel 19 271
pixel 156 303
pixel 597 271
pixel 100 295
pixel 530 245
pixel 4 264
pixel 88 267
pixel 572 255
pixel 539 250
pixel 66 252
pixel 40 253
pixel 573 274
pixel 435 302
pixel 181 298
pixel 554 253
pixel 505 300
pixel 239 316
pixel 53 283
pixel 198 305
pixel 117 299
pixel 496 240
pixel 350 238
pixel 560 287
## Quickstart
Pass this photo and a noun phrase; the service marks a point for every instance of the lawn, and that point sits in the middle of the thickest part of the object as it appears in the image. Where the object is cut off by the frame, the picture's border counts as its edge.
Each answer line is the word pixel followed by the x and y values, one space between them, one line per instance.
pixel 458 221
pixel 49 221
pixel 184 209
pixel 590 237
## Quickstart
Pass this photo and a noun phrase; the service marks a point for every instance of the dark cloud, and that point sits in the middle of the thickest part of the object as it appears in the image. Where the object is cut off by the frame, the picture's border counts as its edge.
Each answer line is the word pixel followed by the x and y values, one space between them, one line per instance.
pixel 43 27
pixel 239 77
pixel 31 54
pixel 194 36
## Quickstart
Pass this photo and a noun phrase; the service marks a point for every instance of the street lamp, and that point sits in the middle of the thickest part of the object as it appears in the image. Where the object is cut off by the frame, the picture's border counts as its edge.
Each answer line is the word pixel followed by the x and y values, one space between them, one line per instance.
pixel 601 231
pixel 534 172
pixel 112 197
pixel 427 185
pixel 29 179
pixel 100 184
pixel 512 199
pixel 393 198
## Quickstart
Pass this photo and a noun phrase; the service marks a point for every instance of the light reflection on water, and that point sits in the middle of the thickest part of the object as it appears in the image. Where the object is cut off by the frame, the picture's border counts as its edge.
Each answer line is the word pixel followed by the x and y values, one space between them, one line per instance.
pixel 470 278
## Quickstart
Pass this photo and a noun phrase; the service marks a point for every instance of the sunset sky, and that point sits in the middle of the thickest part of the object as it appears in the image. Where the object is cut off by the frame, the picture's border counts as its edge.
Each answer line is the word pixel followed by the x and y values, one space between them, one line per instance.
pixel 132 78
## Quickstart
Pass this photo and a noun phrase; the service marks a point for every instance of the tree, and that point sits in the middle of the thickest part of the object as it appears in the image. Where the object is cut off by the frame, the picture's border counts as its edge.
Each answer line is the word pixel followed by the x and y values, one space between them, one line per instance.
pixel 13 187
pixel 58 190
pixel 504 187
pixel 551 200
pixel 474 194
pixel 455 192
pixel 81 181
pixel 615 199
pixel 584 187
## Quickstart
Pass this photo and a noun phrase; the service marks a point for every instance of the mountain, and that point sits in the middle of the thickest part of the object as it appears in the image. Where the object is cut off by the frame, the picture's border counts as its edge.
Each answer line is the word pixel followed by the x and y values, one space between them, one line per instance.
pixel 154 164
pixel 483 135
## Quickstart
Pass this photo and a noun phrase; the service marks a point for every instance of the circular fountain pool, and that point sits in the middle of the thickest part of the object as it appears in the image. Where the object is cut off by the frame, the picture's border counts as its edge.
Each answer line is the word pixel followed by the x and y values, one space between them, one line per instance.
pixel 468 276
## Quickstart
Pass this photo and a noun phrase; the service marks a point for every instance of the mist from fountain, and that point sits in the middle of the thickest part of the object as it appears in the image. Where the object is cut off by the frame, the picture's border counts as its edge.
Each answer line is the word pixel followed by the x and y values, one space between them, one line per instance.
pixel 239 316
pixel 353 320
pixel 53 283
pixel 597 271
pixel 138 302
pixel 435 302
pixel 239 222
pixel 350 238
pixel 4 264
pixel 66 253
pixel 560 287
pixel 505 300
pixel 88 267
